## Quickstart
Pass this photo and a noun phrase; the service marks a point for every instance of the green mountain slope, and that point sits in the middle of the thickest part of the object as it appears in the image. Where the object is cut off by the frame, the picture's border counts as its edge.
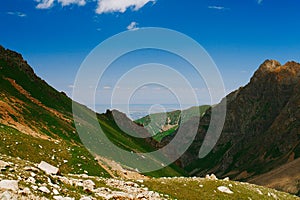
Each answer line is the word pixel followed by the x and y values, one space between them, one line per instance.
pixel 34 114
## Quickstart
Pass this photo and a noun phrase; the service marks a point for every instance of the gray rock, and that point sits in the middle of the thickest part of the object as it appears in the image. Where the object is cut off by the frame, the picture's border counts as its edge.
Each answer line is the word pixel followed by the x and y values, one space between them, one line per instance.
pixel 44 189
pixel 85 198
pixel 225 190
pixel 7 196
pixel 47 168
pixel 63 198
pixel 211 177
pixel 31 169
pixel 25 191
pixel 3 165
pixel 88 185
pixel 9 185
pixel 55 192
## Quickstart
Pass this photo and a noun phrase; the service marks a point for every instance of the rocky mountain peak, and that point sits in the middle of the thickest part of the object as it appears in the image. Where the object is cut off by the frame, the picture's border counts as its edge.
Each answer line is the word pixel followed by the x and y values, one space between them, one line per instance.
pixel 273 71
pixel 261 130
pixel 15 60
pixel 269 65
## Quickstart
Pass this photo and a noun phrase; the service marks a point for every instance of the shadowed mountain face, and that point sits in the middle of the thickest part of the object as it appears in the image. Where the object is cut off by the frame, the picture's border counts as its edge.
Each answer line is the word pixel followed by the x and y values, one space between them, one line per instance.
pixel 262 127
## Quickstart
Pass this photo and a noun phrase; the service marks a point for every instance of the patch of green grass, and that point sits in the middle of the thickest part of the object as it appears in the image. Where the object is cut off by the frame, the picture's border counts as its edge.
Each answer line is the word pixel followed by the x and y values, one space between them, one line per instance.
pixel 68 157
pixel 194 189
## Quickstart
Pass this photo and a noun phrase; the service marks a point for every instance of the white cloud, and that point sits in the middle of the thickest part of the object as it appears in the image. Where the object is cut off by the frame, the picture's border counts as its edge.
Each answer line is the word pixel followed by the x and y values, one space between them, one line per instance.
pixel 69 2
pixel 259 1
pixel 132 26
pixel 108 6
pixel 19 14
pixel 106 87
pixel 217 7
pixel 45 4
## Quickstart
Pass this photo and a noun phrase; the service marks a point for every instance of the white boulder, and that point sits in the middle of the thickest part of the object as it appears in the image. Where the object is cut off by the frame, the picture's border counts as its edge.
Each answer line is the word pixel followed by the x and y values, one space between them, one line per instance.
pixel 9 185
pixel 47 168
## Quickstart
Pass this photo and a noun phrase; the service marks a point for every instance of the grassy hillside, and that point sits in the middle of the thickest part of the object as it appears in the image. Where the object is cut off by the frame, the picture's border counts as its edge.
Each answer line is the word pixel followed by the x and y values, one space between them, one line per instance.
pixel 38 122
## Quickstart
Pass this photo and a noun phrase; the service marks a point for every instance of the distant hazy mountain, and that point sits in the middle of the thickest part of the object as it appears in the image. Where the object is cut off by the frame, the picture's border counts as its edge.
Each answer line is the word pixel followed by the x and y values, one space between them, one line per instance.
pixel 161 125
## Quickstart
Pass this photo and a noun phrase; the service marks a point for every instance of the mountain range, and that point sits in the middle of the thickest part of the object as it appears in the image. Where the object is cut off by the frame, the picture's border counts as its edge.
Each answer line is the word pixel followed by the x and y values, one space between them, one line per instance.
pixel 258 144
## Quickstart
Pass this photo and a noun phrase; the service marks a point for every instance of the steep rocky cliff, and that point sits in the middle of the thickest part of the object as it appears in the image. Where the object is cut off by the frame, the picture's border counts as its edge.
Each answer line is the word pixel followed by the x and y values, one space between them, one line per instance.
pixel 262 127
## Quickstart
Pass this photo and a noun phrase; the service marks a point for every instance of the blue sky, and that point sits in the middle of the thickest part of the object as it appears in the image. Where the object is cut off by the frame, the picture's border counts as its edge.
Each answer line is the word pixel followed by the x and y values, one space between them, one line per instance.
pixel 56 35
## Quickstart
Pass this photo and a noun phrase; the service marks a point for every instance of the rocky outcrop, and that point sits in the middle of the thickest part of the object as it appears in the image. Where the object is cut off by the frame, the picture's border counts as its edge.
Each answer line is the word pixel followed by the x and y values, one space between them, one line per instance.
pixel 262 127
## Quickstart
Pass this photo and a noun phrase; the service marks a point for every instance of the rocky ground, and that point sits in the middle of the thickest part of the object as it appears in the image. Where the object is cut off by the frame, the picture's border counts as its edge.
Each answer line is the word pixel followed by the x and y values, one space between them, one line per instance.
pixel 20 179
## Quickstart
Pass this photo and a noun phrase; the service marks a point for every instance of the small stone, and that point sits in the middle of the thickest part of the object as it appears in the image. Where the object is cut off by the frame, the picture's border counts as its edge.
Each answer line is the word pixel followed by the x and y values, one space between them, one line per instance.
pixel 88 185
pixel 34 187
pixel 225 190
pixel 7 196
pixel 31 169
pixel 32 174
pixel 25 191
pixel 62 198
pixel 44 189
pixel 3 164
pixel 259 192
pixel 31 180
pixel 55 192
pixel 85 198
pixel 213 177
